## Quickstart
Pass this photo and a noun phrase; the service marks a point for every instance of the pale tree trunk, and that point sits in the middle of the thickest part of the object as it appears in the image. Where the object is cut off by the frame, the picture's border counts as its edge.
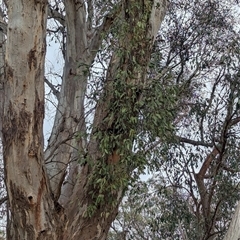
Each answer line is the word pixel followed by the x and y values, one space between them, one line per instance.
pixel 32 210
pixel 69 119
pixel 2 57
pixel 233 232
pixel 34 194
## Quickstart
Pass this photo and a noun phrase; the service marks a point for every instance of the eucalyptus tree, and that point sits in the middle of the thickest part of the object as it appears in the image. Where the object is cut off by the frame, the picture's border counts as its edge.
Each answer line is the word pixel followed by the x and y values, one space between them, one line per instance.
pixel 196 187
pixel 72 189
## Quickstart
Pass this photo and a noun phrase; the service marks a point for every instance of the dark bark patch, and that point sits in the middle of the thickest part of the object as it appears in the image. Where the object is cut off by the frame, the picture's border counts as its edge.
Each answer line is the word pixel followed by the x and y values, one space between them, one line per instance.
pixel 32 59
pixel 38 111
pixel 38 204
pixel 8 71
pixel 19 206
pixel 23 124
pixel 40 2
pixel 30 198
pixel 38 75
pixel 15 125
pixel 58 207
pixel 30 232
pixel 19 199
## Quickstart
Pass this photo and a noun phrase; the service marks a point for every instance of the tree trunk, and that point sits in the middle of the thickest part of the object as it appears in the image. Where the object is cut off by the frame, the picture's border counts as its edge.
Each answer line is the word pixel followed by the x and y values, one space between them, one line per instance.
pixel 2 58
pixel 32 210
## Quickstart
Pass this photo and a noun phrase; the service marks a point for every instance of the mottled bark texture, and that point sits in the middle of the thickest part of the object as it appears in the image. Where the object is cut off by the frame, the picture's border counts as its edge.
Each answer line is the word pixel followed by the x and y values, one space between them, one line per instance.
pixel 32 211
pixel 34 194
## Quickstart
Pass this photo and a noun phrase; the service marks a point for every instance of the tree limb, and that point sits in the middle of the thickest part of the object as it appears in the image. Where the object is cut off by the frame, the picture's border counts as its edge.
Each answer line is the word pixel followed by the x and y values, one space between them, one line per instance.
pixel 3 200
pixel 52 87
pixel 234 121
pixel 207 162
pixel 194 143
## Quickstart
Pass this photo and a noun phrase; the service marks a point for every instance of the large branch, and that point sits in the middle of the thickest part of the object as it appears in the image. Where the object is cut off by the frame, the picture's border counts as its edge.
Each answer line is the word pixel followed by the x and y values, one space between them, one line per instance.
pixel 207 162
pixel 194 143
pixel 199 177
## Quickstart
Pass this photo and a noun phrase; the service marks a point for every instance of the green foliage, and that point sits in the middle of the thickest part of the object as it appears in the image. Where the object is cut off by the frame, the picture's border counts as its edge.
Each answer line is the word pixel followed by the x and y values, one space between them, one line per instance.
pixel 191 111
pixel 136 111
pixel 150 210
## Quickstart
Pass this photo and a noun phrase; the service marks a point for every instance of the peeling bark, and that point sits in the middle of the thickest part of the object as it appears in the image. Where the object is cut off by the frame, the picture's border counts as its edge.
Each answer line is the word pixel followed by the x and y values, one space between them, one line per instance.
pixel 32 211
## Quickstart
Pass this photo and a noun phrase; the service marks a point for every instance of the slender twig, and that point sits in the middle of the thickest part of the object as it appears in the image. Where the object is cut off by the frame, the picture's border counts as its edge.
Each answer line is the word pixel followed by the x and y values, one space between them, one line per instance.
pixel 52 87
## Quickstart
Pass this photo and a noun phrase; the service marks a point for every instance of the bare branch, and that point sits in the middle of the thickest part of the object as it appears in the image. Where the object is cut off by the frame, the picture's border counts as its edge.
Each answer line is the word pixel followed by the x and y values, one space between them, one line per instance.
pixel 53 88
pixel 207 162
pixel 234 121
pixel 3 27
pixel 194 143
pixel 3 200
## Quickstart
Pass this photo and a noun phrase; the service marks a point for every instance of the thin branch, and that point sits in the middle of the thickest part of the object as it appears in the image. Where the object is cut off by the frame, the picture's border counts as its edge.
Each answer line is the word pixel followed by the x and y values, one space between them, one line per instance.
pixel 194 143
pixel 3 27
pixel 52 87
pixel 3 200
